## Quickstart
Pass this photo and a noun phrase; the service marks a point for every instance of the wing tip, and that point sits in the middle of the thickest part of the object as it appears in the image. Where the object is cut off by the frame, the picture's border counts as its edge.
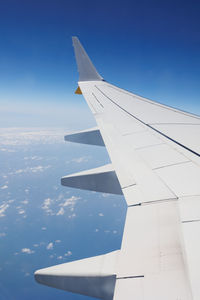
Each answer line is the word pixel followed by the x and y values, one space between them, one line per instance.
pixel 86 69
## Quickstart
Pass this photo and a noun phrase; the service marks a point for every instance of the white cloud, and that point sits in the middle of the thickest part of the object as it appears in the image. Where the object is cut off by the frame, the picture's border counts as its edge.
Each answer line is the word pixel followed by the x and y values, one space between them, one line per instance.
pixel 68 253
pixel 60 212
pixel 32 157
pixel 4 187
pixel 44 228
pixel 27 136
pixel 70 201
pixel 96 230
pixel 21 211
pixel 49 246
pixel 11 201
pixel 39 168
pixel 30 170
pixel 105 195
pixel 72 216
pixel 24 202
pixel 81 159
pixel 46 203
pixel 46 206
pixel 3 208
pixel 57 241
pixel 18 171
pixel 101 214
pixel 2 234
pixel 27 250
pixel 59 257
pixel 114 231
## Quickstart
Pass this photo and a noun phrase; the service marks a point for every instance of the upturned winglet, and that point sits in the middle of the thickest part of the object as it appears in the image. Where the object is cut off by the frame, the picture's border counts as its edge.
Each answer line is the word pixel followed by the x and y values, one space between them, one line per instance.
pixel 86 69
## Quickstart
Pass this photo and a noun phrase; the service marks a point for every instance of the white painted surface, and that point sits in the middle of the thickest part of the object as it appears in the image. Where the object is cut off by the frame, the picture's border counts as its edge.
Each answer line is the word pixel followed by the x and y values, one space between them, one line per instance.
pixel 182 179
pixel 161 170
pixel 191 233
pixel 129 289
pixel 146 110
pixel 151 166
pixel 151 247
pixel 103 265
pixel 159 156
pixel 189 208
pixel 186 134
pixel 143 139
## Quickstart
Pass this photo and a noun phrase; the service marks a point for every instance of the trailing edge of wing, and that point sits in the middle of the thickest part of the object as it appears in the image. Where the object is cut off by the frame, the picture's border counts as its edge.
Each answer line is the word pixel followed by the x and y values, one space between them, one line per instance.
pixel 86 69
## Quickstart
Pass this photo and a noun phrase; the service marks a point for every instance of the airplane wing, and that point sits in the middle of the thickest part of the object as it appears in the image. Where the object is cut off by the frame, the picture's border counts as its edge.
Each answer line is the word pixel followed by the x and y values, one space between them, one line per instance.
pixel 155 155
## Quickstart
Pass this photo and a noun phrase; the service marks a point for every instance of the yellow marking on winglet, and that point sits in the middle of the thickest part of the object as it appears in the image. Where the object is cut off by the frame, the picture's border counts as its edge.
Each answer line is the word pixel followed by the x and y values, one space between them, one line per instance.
pixel 78 91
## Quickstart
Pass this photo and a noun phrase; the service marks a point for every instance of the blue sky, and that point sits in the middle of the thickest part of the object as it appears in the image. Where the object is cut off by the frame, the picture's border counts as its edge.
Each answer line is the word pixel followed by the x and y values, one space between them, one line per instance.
pixel 148 47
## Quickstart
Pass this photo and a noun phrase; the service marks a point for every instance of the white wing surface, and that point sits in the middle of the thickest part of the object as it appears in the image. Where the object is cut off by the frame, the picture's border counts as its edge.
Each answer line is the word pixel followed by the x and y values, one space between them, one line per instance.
pixel 155 155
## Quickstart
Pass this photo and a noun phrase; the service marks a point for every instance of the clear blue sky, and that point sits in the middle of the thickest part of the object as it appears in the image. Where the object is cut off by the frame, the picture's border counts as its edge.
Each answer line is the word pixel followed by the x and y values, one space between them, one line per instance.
pixel 149 47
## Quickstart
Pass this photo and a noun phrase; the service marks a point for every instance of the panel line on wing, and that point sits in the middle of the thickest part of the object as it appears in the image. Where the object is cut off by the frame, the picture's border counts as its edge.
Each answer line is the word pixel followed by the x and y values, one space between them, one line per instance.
pixel 125 187
pixel 175 164
pixel 191 221
pixel 166 123
pixel 127 277
pixel 154 202
pixel 148 146
pixel 149 126
pixel 97 100
pixel 171 108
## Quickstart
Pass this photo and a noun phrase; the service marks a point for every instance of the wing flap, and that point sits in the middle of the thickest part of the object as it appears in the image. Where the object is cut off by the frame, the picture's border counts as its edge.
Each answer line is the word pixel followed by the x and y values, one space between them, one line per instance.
pixel 94 276
pixel 182 179
pixel 102 179
pixel 129 289
pixel 151 261
pixel 90 137
pixel 191 233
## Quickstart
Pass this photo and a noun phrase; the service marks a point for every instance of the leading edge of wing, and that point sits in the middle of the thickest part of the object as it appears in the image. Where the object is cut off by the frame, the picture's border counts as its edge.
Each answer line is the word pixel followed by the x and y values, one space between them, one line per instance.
pixel 86 69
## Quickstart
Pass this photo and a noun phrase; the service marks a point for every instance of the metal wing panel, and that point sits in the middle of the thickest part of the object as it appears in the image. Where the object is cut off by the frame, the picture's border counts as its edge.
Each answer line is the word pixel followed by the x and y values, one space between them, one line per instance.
pixel 129 166
pixel 155 152
pixel 181 127
pixel 152 251
pixel 185 134
pixel 144 109
pixel 150 167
